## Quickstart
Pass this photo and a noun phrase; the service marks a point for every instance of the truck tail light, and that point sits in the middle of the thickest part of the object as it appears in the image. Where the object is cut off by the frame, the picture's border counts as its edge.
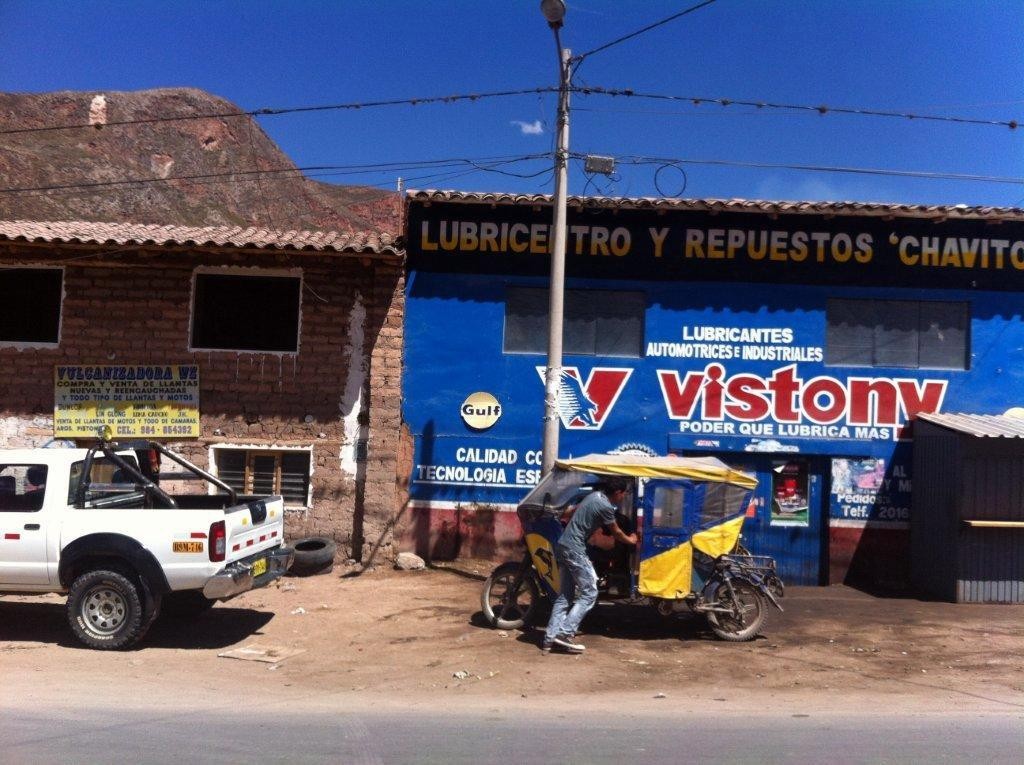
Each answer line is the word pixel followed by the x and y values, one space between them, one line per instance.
pixel 153 457
pixel 218 541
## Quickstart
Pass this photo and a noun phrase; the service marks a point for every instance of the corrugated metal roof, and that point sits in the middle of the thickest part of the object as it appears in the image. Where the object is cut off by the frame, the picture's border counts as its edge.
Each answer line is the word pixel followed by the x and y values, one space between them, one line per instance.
pixel 86 232
pixel 875 209
pixel 982 425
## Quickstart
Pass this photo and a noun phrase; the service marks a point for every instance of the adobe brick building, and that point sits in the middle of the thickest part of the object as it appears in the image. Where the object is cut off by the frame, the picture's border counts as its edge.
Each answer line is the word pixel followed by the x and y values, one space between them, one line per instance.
pixel 297 336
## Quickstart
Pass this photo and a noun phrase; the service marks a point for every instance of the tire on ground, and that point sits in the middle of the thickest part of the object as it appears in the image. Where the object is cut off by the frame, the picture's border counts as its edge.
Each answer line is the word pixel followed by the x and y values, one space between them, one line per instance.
pixel 313 555
pixel 501 607
pixel 726 626
pixel 106 609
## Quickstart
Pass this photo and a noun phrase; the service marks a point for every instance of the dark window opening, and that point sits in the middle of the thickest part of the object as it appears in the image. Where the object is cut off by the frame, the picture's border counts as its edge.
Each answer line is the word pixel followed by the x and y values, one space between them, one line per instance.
pixel 30 305
pixel 898 333
pixel 596 322
pixel 246 313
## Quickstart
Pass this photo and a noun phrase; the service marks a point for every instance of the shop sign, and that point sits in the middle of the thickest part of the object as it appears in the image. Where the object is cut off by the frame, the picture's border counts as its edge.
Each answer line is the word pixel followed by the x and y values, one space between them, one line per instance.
pixel 726 246
pixel 135 401
pixel 786 404
pixel 462 464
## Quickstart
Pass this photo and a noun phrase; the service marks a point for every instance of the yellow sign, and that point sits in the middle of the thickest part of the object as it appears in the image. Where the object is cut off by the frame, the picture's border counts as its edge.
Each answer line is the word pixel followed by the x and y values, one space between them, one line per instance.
pixel 135 401
pixel 481 410
pixel 544 559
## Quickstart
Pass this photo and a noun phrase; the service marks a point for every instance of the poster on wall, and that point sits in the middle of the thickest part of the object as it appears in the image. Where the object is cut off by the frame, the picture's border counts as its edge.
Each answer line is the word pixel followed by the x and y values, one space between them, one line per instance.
pixel 136 401
pixel 790 489
pixel 870 489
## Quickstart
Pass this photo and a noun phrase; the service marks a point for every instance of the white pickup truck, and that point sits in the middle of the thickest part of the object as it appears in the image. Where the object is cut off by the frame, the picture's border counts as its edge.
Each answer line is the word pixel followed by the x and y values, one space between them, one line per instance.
pixel 95 524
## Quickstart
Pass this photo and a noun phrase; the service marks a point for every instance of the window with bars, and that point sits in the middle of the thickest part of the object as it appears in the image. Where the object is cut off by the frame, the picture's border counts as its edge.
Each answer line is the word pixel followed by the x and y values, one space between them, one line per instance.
pixel 264 471
pixel 912 334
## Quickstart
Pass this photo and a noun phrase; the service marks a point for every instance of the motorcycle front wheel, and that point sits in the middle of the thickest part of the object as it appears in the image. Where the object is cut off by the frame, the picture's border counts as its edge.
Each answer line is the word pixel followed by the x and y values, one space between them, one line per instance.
pixel 747 616
pixel 505 605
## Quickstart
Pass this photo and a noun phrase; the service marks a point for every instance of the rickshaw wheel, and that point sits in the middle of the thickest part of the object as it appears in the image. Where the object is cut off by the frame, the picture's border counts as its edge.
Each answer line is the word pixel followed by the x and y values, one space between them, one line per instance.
pixel 504 608
pixel 737 628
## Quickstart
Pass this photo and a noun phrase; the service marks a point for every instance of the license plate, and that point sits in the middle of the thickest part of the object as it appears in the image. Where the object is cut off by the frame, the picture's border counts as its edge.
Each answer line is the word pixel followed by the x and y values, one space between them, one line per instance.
pixel 187 547
pixel 259 567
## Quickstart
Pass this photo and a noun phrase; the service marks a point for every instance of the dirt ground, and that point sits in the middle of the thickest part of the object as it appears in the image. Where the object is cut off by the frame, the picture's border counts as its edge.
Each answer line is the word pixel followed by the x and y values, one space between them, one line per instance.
pixel 418 637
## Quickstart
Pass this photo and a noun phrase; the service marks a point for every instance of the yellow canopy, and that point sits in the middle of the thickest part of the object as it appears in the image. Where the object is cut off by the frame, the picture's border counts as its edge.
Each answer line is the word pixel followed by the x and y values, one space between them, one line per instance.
pixel 698 468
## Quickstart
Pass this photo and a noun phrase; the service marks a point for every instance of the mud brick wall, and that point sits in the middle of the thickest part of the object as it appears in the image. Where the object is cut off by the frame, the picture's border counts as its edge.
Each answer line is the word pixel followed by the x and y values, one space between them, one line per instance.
pixel 343 386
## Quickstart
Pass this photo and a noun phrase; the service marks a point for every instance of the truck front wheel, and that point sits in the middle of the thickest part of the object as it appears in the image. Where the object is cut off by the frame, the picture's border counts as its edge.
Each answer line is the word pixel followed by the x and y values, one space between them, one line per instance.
pixel 106 610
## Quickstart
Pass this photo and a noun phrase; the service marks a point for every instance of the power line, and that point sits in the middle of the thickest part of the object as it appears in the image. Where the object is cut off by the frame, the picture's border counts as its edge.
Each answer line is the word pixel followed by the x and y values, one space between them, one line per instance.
pixel 588 90
pixel 484 164
pixel 273 112
pixel 579 59
pixel 169 179
pixel 259 182
pixel 458 167
pixel 688 114
pixel 633 160
pixel 821 109
pixel 62 261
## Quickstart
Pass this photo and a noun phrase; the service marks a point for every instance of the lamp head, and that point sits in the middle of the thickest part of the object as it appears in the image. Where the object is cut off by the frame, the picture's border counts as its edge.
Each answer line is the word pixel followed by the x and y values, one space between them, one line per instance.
pixel 554 12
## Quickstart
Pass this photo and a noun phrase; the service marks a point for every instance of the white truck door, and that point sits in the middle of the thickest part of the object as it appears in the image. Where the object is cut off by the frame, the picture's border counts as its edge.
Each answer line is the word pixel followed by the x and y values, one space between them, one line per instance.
pixel 23 554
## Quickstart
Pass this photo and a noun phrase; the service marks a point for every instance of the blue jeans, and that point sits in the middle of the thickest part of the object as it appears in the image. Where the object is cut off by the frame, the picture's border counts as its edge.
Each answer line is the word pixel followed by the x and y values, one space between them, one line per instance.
pixel 578 584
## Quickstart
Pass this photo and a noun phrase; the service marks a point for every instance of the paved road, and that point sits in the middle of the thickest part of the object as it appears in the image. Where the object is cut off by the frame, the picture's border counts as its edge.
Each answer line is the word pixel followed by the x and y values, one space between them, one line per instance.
pixel 366 736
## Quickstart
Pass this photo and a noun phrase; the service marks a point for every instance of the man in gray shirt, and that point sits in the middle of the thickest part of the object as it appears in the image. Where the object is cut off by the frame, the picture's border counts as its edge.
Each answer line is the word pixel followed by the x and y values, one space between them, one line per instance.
pixel 578 580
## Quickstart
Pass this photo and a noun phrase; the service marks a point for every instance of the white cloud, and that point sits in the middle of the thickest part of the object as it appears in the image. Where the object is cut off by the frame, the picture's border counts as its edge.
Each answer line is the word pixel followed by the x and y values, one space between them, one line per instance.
pixel 803 189
pixel 529 128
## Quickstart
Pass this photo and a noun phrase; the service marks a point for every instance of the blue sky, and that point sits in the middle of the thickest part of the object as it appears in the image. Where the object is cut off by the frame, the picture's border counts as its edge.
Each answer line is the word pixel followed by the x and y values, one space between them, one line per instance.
pixel 937 57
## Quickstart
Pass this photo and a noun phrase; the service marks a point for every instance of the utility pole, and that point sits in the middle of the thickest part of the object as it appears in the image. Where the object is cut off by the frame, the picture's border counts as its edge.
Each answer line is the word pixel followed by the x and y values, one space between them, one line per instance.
pixel 554 12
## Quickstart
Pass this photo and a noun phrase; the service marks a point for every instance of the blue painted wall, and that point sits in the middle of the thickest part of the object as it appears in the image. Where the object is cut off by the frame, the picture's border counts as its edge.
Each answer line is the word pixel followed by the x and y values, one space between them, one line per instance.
pixel 454 335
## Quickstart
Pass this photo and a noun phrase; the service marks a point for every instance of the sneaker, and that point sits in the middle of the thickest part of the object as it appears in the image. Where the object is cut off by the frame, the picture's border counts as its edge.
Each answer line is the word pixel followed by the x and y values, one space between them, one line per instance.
pixel 565 642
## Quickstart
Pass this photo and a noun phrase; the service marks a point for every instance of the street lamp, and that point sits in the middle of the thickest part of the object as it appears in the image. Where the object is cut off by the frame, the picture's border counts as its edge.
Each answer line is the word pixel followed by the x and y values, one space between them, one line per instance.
pixel 554 12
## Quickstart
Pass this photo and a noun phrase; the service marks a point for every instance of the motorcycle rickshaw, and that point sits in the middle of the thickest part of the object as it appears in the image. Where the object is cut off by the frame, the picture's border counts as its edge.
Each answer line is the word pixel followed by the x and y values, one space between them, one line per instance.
pixel 688 513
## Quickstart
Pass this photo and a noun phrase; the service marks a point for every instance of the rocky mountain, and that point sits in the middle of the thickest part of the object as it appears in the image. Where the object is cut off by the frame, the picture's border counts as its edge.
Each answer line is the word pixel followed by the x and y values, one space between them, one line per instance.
pixel 171 150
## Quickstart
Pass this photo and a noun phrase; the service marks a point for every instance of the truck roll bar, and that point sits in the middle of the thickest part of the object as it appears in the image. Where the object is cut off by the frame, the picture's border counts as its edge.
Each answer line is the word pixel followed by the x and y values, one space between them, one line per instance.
pixel 108 448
